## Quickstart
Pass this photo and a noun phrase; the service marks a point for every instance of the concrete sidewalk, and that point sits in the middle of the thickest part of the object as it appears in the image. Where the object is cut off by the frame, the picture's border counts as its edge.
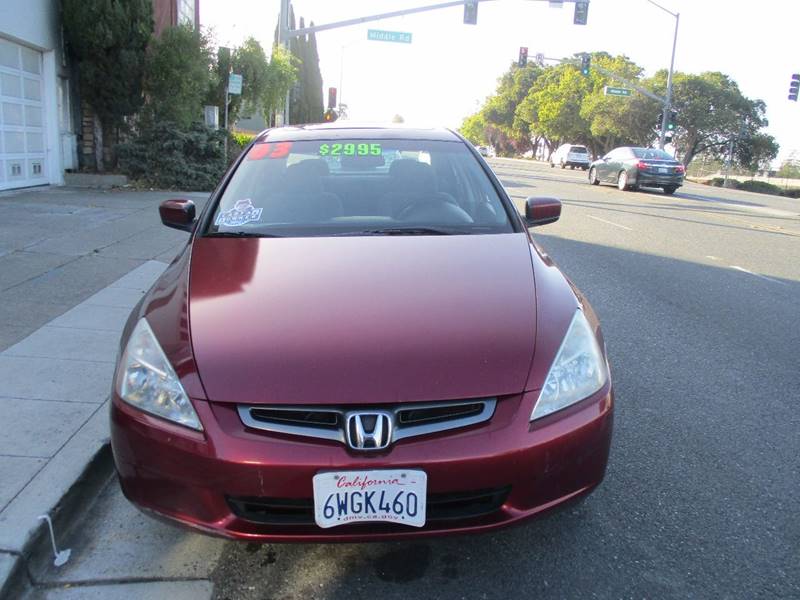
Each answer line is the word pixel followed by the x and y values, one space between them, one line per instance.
pixel 72 265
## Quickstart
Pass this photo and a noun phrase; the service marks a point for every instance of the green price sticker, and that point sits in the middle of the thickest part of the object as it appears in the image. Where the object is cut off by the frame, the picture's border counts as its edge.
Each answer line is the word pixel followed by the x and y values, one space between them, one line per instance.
pixel 350 149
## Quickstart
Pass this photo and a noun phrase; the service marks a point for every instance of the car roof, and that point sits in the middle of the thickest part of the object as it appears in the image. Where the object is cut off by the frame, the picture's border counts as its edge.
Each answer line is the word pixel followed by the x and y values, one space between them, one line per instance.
pixel 352 130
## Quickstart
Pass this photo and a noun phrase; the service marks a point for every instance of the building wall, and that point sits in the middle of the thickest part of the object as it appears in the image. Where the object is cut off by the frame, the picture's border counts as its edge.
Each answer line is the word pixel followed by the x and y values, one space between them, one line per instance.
pixel 167 13
pixel 35 25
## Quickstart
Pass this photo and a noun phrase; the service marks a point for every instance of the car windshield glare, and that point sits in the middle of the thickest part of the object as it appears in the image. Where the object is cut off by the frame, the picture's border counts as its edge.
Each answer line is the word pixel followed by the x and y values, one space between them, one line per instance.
pixel 651 154
pixel 359 187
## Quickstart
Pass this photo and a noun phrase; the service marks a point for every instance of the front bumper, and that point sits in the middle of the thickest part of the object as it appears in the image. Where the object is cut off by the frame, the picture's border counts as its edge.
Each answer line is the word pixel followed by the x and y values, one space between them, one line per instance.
pixel 192 477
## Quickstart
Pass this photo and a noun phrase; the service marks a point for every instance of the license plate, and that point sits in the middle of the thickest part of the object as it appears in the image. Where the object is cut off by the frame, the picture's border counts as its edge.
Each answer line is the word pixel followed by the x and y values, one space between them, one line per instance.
pixel 663 170
pixel 370 496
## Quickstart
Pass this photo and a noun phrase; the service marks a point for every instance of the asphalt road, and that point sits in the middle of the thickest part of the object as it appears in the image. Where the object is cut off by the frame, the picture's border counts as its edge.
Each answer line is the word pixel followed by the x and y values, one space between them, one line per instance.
pixel 699 296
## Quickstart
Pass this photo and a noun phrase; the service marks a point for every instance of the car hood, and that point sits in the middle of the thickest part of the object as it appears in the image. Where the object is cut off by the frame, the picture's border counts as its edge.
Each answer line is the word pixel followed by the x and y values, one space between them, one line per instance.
pixel 362 320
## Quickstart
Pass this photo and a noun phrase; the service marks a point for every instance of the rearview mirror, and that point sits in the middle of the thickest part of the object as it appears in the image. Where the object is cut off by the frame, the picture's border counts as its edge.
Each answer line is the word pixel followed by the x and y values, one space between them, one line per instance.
pixel 541 211
pixel 178 214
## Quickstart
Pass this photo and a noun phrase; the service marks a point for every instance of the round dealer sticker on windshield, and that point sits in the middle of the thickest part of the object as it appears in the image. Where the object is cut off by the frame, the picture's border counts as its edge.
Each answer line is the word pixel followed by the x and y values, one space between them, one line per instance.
pixel 242 212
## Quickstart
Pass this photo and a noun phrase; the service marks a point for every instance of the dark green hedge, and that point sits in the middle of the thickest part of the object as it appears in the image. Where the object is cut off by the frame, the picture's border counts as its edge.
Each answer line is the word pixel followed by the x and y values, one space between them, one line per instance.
pixel 166 156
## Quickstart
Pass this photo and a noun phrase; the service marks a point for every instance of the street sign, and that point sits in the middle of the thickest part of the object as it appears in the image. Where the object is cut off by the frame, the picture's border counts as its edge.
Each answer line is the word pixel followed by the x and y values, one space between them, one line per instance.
pixel 615 91
pixel 379 35
pixel 540 59
pixel 234 84
pixel 581 12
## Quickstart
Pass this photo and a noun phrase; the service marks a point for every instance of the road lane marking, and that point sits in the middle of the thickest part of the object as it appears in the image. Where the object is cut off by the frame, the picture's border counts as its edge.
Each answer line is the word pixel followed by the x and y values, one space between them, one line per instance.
pixel 609 222
pixel 713 257
pixel 743 270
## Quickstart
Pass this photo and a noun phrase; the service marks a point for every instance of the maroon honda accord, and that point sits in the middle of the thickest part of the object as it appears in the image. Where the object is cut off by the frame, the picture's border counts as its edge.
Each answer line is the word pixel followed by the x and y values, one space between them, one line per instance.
pixel 360 341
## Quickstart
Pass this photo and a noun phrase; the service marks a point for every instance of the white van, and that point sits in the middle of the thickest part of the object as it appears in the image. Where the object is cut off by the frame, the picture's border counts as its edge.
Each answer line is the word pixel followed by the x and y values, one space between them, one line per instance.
pixel 571 155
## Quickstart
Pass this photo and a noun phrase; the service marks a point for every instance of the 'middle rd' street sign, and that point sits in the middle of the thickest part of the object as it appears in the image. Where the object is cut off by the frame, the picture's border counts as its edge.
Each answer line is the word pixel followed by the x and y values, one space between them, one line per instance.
pixel 378 35
pixel 615 91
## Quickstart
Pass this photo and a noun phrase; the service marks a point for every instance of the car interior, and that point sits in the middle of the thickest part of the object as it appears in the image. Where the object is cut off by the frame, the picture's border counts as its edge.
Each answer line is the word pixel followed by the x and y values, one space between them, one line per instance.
pixel 444 189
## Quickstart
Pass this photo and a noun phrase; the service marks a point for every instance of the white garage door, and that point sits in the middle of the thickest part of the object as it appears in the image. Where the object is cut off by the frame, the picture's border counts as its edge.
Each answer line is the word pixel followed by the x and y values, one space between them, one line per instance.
pixel 22 150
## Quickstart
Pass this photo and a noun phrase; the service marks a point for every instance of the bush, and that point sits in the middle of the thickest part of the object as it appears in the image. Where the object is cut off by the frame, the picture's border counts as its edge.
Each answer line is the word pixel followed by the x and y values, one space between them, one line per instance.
pixel 167 156
pixel 241 138
pixel 760 187
pixel 792 193
pixel 238 141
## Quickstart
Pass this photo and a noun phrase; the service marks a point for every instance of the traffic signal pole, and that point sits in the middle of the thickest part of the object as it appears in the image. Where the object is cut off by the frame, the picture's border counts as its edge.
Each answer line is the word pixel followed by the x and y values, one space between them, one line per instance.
pixel 668 99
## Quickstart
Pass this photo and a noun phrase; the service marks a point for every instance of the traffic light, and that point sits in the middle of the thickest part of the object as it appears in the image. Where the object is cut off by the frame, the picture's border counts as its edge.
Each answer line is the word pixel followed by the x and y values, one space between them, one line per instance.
pixel 523 57
pixel 794 86
pixel 470 12
pixel 581 12
pixel 330 116
pixel 331 97
pixel 673 116
pixel 586 64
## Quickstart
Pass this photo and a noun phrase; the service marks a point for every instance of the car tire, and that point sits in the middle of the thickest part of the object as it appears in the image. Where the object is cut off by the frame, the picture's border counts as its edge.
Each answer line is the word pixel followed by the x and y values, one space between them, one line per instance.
pixel 669 189
pixel 622 181
pixel 593 177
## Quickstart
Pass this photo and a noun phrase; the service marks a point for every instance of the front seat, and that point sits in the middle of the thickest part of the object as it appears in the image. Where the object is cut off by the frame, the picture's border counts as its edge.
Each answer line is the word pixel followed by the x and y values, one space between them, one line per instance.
pixel 302 198
pixel 413 195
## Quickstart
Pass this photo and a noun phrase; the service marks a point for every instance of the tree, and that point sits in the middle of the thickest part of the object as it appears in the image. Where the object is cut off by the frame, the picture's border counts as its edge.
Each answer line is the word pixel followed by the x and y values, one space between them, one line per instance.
pixel 789 169
pixel 281 76
pixel 264 83
pixel 617 121
pixel 711 111
pixel 313 81
pixel 474 129
pixel 554 108
pixel 755 152
pixel 178 76
pixel 108 40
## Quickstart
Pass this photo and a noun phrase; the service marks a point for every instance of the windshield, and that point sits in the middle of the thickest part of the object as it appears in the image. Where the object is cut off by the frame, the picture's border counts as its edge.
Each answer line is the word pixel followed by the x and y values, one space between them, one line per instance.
pixel 651 154
pixel 359 187
pixel 578 150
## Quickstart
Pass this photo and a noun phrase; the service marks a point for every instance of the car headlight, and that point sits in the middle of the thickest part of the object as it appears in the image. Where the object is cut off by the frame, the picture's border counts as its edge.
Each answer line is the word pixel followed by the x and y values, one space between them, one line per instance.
pixel 577 372
pixel 147 381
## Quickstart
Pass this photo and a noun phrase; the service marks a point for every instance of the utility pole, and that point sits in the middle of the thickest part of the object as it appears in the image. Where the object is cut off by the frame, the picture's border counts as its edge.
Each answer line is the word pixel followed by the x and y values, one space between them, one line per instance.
pixel 283 38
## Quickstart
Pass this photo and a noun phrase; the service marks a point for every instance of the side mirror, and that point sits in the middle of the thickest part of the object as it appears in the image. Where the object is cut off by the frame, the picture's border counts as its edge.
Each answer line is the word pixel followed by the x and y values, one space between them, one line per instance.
pixel 541 211
pixel 178 214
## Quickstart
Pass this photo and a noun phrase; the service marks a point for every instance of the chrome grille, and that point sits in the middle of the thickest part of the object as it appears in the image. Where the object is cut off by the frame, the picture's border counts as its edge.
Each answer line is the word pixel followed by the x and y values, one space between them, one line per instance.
pixel 408 420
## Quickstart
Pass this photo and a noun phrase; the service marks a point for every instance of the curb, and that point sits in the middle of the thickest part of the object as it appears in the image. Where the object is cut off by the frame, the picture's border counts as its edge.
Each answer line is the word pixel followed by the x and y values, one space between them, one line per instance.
pixel 37 550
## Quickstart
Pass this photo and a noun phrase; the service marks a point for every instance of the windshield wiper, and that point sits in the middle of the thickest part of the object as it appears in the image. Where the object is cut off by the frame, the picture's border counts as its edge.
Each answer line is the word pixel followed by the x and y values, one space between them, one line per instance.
pixel 401 231
pixel 241 234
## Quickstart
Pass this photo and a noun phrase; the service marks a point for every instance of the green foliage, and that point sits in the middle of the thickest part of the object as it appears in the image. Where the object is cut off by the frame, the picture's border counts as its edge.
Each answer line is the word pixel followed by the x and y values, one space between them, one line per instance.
pixel 108 39
pixel 281 76
pixel 760 187
pixel 789 169
pixel 306 102
pixel 264 83
pixel 557 104
pixel 178 76
pixel 755 151
pixel 712 112
pixel 241 139
pixel 168 156
pixel 474 129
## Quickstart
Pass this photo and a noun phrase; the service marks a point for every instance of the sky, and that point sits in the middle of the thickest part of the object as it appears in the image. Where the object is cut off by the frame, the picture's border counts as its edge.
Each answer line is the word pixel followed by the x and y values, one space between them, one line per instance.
pixel 449 68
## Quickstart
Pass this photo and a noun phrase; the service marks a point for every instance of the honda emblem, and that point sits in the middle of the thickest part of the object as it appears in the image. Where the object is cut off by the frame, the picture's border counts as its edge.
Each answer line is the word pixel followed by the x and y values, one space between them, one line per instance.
pixel 369 430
